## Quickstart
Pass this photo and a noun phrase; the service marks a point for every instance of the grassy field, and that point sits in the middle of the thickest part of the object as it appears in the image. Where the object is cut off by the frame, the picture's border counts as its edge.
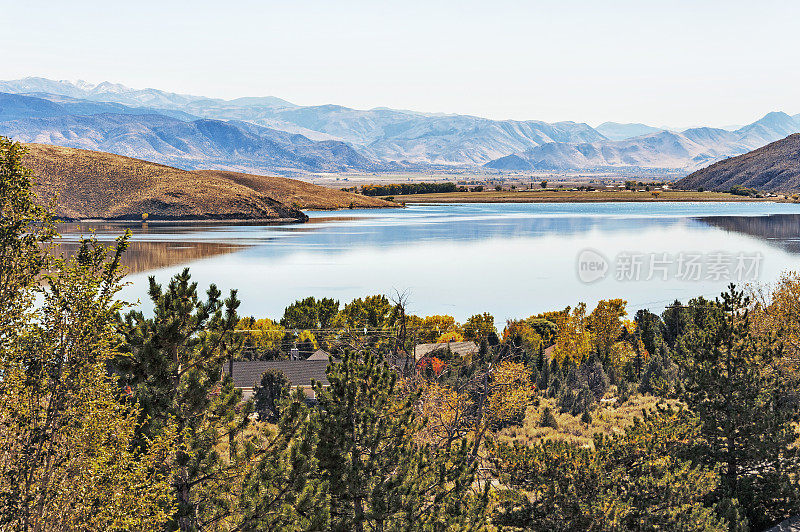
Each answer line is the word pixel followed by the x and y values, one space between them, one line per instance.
pixel 89 184
pixel 608 418
pixel 572 196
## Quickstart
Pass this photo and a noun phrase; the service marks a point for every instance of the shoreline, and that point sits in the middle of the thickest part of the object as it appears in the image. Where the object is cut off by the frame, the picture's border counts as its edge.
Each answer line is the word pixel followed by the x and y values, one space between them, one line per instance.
pixel 582 197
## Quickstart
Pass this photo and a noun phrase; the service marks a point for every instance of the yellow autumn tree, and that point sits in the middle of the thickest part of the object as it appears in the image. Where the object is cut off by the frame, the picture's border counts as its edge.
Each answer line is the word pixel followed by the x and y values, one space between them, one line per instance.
pixel 66 435
pixel 263 334
pixel 606 326
pixel 574 342
pixel 452 336
pixel 509 394
pixel 529 337
pixel 778 312
pixel 446 411
pixel 436 326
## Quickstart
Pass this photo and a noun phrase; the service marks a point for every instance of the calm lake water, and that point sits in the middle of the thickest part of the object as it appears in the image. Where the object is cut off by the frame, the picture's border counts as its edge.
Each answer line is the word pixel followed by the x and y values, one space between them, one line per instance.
pixel 512 260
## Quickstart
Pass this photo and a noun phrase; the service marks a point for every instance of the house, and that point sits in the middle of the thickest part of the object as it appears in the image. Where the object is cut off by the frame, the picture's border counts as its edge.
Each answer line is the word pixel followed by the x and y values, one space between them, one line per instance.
pixel 247 373
pixel 457 348
pixel 319 354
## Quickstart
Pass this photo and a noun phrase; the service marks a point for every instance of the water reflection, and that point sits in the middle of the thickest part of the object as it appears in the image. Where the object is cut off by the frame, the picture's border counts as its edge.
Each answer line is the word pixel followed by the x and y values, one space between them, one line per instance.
pixel 509 259
pixel 782 230
pixel 143 256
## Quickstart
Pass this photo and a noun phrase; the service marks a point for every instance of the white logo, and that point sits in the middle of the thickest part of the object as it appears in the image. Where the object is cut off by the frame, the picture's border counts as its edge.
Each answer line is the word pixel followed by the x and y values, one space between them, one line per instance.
pixel 592 266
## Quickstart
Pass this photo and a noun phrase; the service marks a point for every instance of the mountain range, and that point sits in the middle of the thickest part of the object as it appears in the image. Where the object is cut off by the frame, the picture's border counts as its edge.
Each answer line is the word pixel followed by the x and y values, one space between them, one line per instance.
pixel 772 168
pixel 269 134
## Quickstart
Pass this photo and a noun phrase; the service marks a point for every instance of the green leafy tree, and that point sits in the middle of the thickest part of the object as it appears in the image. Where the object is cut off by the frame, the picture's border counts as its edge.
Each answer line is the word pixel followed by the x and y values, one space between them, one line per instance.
pixel 26 233
pixel 479 327
pixel 651 330
pixel 173 364
pixel 378 477
pixel 741 399
pixel 310 313
pixel 371 312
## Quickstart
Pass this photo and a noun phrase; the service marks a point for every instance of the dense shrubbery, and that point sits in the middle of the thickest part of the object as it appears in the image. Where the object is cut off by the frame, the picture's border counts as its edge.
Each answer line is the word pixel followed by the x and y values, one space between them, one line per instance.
pixel 739 190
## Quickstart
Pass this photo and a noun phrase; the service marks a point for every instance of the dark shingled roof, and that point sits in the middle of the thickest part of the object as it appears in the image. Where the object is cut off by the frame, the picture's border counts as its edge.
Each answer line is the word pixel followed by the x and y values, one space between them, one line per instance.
pixel 247 373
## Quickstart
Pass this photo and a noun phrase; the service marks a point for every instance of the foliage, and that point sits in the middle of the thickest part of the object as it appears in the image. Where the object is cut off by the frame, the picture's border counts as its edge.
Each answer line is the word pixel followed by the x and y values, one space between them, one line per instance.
pixel 268 392
pixel 548 419
pixel 173 365
pixel 377 476
pixel 479 327
pixel 605 324
pixel 66 438
pixel 436 326
pixel 634 481
pixel 574 342
pixel 310 313
pixel 651 329
pixel 741 399
pixel 371 312
pixel 452 336
pixel 511 391
pixel 545 328
pixel 407 188
pixel 264 336
pixel 281 488
pixel 524 335
pixel 67 461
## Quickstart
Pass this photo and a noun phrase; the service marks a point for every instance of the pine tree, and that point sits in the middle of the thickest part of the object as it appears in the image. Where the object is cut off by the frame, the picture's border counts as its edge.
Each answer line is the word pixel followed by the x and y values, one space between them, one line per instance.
pixel 378 477
pixel 268 393
pixel 281 489
pixel 173 365
pixel 740 397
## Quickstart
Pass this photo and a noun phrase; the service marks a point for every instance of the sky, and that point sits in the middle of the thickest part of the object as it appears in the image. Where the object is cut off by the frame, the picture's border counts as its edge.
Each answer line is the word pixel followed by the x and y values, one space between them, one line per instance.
pixel 675 63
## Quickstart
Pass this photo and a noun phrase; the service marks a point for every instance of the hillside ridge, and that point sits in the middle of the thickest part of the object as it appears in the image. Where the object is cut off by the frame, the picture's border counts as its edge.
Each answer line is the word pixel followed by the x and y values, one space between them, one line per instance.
pixel 87 184
pixel 771 168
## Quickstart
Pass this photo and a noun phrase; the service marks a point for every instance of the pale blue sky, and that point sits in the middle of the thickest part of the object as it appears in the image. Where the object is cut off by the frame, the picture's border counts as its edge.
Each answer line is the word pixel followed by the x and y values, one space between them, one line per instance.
pixel 668 62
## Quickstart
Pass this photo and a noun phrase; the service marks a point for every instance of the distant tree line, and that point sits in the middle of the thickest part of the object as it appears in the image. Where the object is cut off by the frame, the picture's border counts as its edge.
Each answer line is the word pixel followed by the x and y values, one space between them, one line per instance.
pixel 407 188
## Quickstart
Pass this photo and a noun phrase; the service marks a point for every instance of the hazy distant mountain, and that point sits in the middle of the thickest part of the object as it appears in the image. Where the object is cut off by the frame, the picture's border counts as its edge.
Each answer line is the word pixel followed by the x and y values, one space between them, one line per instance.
pixel 405 138
pixel 688 150
pixel 194 144
pixel 617 131
pixel 39 105
pixel 392 135
pixel 774 168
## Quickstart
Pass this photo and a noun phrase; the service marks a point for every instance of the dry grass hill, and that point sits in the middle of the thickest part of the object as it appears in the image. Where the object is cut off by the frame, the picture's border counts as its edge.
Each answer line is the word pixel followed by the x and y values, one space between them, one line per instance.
pixel 89 184
pixel 773 168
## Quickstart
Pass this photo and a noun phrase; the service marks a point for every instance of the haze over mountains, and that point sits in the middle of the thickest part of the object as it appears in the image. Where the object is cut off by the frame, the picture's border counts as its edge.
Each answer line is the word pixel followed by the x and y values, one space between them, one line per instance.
pixel 269 134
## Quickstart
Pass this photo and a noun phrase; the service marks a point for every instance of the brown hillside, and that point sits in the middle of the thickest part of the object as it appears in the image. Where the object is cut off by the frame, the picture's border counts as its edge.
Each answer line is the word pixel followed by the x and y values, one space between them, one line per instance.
pixel 773 168
pixel 90 184
pixel 305 195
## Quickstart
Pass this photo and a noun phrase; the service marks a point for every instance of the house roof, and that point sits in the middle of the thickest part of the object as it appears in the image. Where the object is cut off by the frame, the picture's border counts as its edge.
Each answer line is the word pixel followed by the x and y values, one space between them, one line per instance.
pixel 459 348
pixel 319 354
pixel 247 373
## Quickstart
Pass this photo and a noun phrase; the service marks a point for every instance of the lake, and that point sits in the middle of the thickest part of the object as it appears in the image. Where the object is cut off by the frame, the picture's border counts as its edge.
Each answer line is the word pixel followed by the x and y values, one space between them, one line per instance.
pixel 511 260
